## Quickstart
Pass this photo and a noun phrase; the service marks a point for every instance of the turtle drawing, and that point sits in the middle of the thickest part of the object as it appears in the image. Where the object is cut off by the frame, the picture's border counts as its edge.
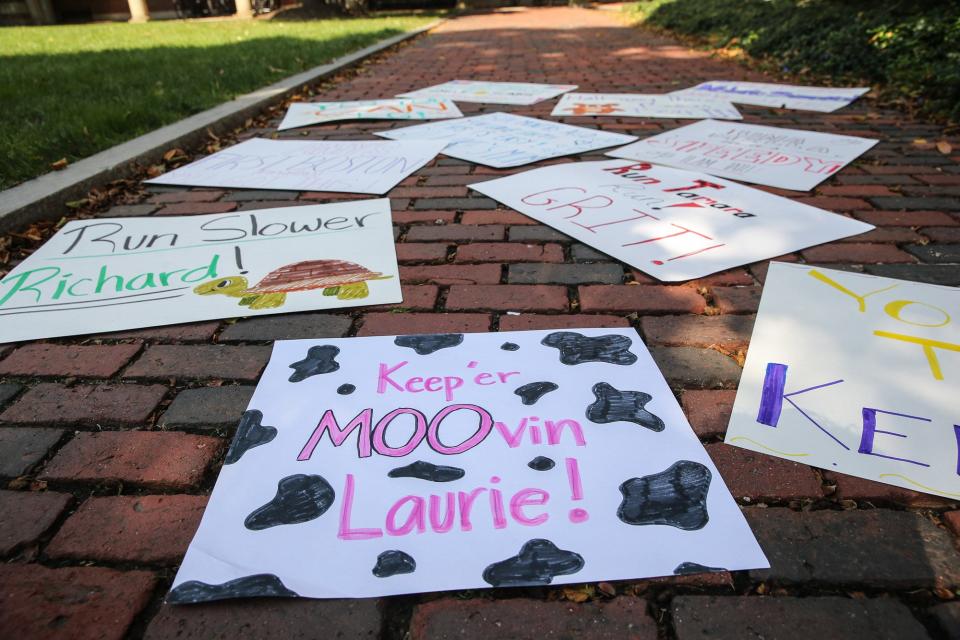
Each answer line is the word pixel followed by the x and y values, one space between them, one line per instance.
pixel 346 280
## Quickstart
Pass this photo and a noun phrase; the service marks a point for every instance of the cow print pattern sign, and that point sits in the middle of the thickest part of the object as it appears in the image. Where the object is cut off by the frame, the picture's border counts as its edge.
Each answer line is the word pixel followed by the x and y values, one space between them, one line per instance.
pixel 365 467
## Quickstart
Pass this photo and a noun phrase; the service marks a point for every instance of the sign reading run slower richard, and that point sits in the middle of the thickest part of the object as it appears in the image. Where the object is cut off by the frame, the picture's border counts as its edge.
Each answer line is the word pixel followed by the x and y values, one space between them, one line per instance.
pixel 375 466
pixel 126 273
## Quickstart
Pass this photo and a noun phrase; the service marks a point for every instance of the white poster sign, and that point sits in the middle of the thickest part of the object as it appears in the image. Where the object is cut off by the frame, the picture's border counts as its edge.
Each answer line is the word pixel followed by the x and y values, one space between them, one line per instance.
pixel 503 140
pixel 672 224
pixel 856 374
pixel 307 165
pixel 824 99
pixel 303 114
pixel 367 467
pixel 644 106
pixel 517 93
pixel 776 157
pixel 111 274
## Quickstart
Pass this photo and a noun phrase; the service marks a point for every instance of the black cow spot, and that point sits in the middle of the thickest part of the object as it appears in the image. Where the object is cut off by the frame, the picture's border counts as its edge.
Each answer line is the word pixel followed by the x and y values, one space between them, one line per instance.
pixel 250 434
pixel 509 346
pixel 427 344
pixel 538 563
pixel 530 393
pixel 257 586
pixel 319 359
pixel 688 568
pixel 300 498
pixel 541 463
pixel 676 497
pixel 393 562
pixel 346 389
pixel 427 471
pixel 613 405
pixel 576 348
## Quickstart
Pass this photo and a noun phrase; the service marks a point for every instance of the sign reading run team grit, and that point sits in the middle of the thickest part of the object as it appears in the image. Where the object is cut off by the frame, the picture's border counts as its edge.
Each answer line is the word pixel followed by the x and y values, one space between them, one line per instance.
pixel 366 467
pixel 672 224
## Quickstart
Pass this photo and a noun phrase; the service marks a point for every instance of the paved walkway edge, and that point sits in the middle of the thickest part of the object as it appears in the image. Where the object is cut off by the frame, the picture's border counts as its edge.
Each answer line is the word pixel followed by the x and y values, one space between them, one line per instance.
pixel 42 198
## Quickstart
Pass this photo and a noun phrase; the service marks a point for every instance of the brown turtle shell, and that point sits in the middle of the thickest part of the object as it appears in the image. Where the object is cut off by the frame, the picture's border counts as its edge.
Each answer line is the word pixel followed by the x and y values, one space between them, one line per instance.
pixel 312 274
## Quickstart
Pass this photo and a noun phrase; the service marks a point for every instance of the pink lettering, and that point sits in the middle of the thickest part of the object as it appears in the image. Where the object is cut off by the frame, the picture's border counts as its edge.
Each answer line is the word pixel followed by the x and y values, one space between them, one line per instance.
pixel 466 504
pixel 483 429
pixel 345 532
pixel 379 433
pixel 555 430
pixel 447 524
pixel 383 377
pixel 328 423
pixel 414 519
pixel 513 439
pixel 526 498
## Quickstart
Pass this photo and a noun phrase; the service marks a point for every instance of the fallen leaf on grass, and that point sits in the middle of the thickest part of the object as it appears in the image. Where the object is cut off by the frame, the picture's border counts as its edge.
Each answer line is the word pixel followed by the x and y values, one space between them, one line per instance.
pixel 59 165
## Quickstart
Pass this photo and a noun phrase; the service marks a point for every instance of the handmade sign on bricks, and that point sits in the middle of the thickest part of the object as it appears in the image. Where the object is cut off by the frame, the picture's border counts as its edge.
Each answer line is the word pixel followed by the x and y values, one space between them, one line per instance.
pixel 645 106
pixel 302 114
pixel 672 224
pixel 764 94
pixel 375 466
pixel 307 165
pixel 776 157
pixel 516 93
pixel 857 374
pixel 102 275
pixel 503 140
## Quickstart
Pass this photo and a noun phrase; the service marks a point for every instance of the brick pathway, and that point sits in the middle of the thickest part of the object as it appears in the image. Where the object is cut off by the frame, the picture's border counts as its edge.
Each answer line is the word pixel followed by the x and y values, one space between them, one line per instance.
pixel 109 445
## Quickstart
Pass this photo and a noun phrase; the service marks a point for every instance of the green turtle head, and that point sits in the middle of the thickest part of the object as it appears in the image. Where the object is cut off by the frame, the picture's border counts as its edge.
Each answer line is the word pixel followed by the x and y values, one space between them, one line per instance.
pixel 230 286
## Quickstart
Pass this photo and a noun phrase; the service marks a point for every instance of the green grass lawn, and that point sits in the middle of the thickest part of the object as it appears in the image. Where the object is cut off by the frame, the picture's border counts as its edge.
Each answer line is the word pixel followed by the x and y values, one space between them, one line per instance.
pixel 73 90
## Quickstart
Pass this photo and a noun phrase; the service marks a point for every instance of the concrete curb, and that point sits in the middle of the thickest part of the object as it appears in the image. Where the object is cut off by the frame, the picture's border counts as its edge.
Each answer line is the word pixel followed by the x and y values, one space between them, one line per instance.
pixel 42 198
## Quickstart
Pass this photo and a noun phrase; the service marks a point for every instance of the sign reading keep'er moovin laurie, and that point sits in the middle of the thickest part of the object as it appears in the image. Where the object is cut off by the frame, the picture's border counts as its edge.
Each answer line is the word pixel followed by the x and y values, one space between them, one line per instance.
pixel 375 466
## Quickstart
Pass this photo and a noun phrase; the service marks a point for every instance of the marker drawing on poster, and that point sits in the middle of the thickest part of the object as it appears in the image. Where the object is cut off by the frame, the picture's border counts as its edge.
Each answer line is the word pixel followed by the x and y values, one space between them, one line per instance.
pixel 672 224
pixel 503 140
pixel 639 105
pixel 306 165
pixel 97 276
pixel 303 114
pixel 368 467
pixel 776 157
pixel 855 374
pixel 515 93
pixel 788 96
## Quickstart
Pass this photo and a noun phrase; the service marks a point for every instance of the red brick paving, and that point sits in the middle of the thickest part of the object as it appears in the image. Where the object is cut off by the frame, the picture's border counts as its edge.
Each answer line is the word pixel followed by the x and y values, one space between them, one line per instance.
pixel 102 464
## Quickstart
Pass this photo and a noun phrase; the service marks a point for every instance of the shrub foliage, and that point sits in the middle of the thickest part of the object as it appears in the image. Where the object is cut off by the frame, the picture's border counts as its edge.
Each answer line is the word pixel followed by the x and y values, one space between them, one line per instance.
pixel 911 48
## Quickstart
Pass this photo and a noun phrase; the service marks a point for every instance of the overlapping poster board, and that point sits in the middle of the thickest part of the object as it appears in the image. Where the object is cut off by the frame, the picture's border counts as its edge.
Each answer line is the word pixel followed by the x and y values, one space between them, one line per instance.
pixel 639 105
pixel 672 224
pixel 111 274
pixel 773 156
pixel 515 93
pixel 368 467
pixel 503 140
pixel 303 114
pixel 856 374
pixel 788 96
pixel 369 166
